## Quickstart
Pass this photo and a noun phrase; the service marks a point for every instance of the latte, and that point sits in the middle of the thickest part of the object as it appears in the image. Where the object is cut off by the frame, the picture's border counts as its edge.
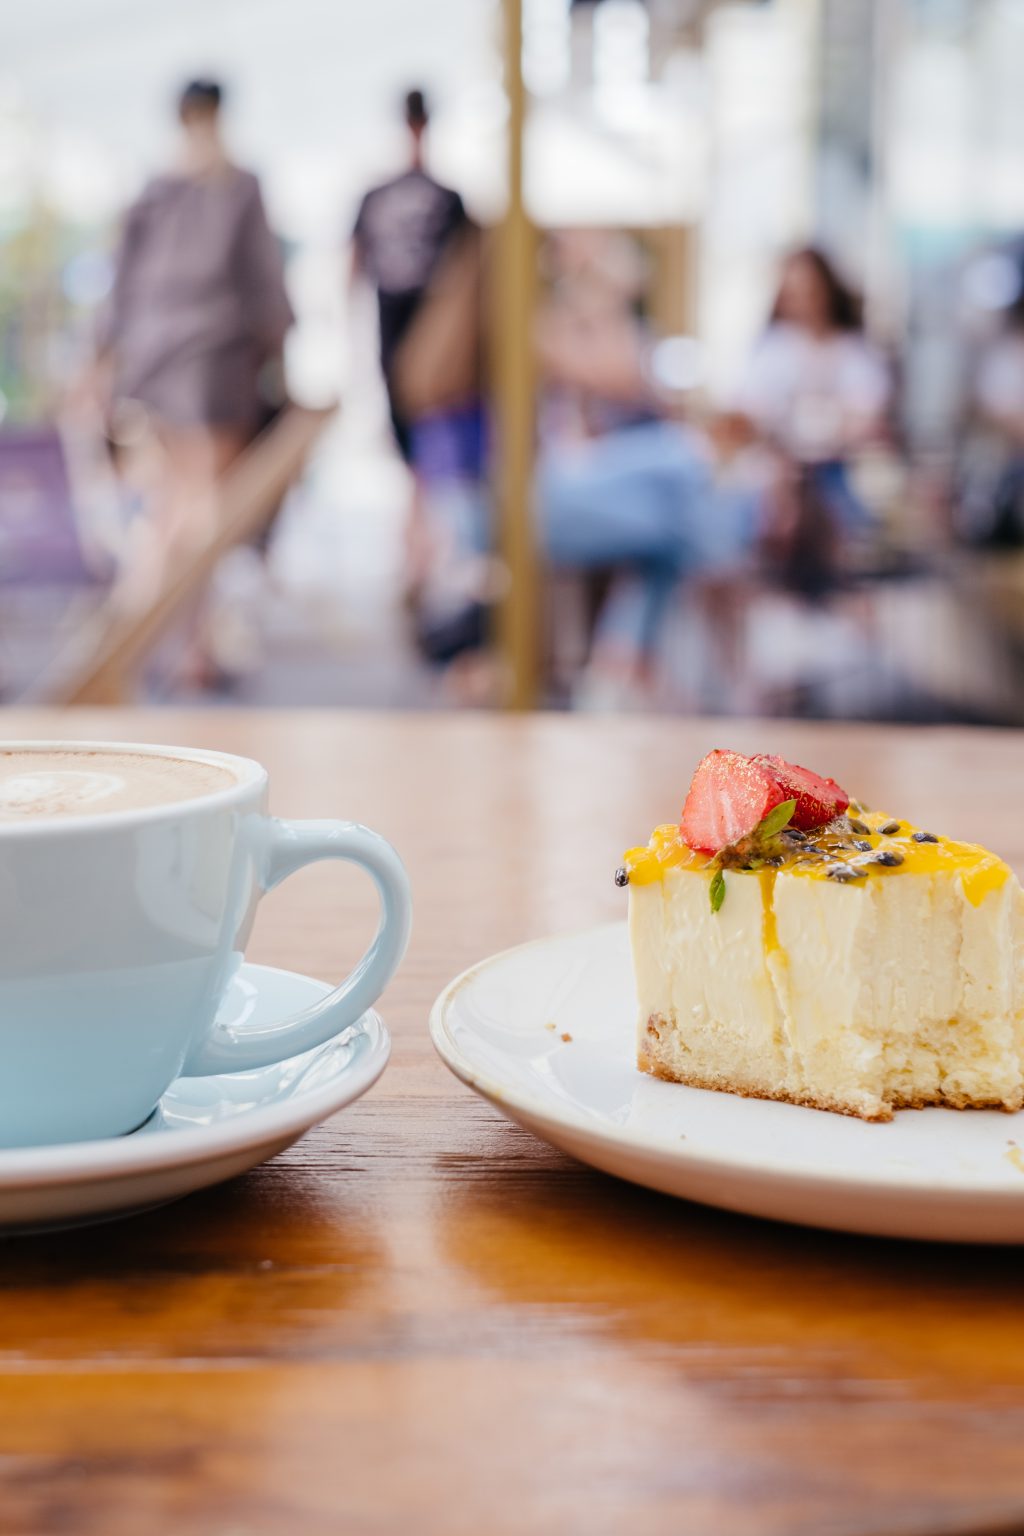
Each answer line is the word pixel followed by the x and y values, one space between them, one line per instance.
pixel 37 784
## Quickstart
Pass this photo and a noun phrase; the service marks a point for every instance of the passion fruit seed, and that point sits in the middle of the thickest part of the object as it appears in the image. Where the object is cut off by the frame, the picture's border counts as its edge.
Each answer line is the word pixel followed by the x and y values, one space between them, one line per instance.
pixel 845 873
pixel 923 837
pixel 863 844
pixel 622 875
pixel 859 826
pixel 886 856
pixel 889 827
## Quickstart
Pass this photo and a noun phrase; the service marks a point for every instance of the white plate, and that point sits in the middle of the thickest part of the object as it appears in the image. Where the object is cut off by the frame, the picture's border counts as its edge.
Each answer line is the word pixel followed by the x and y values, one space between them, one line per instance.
pixel 205 1129
pixel 501 1027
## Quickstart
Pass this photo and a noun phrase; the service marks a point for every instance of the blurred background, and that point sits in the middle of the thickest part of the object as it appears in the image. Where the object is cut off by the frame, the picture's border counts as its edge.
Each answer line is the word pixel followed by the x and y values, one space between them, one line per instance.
pixel 587 354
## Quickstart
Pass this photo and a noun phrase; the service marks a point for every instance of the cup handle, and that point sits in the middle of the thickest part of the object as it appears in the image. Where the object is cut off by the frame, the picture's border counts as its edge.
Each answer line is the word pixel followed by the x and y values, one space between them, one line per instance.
pixel 290 846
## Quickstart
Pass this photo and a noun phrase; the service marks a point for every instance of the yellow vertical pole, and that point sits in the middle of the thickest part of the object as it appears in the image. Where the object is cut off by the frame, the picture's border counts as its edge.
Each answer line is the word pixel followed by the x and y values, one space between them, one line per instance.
pixel 514 385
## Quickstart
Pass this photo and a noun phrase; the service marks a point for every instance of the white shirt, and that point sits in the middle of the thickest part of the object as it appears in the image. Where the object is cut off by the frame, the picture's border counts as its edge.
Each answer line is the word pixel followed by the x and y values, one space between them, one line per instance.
pixel 807 392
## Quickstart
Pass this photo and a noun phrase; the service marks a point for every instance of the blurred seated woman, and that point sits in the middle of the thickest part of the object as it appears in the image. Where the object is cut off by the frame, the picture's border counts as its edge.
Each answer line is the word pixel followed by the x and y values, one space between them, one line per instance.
pixel 620 490
pixel 817 390
pixel 194 330
pixel 623 486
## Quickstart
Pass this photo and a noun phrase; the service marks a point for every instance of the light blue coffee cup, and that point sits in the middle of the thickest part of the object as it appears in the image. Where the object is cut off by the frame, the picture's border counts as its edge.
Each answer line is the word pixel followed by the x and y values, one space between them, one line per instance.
pixel 120 934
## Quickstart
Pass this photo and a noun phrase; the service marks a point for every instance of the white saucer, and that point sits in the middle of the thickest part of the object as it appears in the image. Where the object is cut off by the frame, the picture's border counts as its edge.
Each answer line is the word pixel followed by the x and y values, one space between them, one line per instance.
pixel 205 1129
pixel 502 1026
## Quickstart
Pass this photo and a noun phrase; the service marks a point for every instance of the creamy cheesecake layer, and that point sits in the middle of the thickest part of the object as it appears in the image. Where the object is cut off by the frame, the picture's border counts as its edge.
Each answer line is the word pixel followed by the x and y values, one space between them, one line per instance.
pixel 903 986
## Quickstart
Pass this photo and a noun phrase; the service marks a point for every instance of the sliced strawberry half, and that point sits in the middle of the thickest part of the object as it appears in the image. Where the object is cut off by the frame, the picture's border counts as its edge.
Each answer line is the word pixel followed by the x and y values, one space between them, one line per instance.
pixel 728 796
pixel 818 800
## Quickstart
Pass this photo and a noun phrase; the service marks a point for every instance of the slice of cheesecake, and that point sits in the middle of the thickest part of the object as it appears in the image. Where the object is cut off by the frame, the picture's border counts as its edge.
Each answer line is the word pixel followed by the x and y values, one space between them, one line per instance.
pixel 789 945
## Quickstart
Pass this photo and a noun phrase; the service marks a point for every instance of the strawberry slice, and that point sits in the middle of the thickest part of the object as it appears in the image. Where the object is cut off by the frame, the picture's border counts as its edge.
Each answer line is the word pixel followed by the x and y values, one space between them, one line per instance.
pixel 818 800
pixel 728 796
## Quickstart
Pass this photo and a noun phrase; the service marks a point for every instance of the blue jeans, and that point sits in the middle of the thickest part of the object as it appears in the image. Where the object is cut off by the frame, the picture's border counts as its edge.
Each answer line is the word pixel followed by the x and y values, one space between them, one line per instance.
pixel 643 499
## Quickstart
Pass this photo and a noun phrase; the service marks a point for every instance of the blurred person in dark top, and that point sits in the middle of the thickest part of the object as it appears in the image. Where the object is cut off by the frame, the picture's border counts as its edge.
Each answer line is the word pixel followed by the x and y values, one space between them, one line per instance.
pixel 401 230
pixel 196 325
pixel 817 391
pixel 991 507
pixel 401 233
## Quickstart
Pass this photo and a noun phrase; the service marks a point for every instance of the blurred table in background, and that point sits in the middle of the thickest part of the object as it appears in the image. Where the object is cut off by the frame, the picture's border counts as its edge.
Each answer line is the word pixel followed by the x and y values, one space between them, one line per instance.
pixel 420 1319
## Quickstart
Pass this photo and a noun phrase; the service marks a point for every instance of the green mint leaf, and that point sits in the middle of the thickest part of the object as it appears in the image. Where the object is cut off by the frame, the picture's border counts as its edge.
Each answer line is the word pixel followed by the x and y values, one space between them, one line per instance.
pixel 776 819
pixel 716 890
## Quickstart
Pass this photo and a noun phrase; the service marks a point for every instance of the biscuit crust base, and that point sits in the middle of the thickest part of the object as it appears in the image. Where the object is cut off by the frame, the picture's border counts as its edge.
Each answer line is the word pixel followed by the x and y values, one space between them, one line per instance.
pixel 653 1060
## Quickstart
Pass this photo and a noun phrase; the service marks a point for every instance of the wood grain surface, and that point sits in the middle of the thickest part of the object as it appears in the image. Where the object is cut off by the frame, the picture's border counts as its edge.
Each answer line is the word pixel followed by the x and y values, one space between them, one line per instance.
pixel 420 1319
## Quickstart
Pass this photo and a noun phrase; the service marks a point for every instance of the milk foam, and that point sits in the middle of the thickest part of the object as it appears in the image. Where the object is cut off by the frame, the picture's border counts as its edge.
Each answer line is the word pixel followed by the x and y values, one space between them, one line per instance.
pixel 39 784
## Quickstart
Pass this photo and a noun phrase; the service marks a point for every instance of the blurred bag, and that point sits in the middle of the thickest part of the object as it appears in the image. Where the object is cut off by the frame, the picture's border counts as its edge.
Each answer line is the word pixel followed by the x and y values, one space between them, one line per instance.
pixel 440 361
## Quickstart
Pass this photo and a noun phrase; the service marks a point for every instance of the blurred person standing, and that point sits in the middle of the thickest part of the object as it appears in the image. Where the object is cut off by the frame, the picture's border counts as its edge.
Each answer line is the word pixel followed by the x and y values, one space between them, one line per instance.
pixel 400 235
pixel 195 328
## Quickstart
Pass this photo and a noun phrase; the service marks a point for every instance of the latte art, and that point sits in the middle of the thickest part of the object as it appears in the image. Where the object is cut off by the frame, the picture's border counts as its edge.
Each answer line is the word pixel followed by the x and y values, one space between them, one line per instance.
pixel 36 785
pixel 32 794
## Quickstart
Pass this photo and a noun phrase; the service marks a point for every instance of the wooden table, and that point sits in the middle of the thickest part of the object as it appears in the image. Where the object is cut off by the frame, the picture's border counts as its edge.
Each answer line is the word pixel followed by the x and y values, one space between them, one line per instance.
pixel 421 1320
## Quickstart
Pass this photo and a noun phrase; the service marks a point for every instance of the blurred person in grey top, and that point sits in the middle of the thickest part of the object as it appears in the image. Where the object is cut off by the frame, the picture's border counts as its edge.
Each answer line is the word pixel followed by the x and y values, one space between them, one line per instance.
pixel 401 231
pixel 195 325
pixel 199 304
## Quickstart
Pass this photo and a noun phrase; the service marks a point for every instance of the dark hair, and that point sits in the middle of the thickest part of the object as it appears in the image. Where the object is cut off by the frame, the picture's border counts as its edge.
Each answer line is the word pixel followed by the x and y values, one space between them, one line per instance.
pixel 415 108
pixel 842 303
pixel 201 95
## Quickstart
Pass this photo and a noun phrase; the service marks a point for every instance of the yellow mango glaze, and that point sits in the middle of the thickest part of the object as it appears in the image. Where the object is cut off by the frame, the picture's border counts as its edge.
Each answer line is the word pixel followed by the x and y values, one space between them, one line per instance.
pixel 980 871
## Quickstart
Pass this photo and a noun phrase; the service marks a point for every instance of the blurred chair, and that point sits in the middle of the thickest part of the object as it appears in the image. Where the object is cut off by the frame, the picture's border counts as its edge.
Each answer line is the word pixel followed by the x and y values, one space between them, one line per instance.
pixel 102 663
pixel 49 580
